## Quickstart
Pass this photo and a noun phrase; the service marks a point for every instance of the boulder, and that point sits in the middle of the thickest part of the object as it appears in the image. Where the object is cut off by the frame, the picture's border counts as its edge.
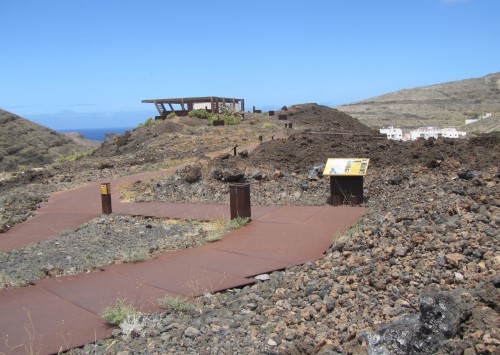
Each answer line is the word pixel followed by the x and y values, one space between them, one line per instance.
pixel 191 173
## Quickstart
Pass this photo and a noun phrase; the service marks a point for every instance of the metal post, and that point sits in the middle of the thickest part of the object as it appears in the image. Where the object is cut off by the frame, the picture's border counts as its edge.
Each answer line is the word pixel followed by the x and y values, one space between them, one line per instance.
pixel 260 138
pixel 234 149
pixel 106 198
pixel 239 200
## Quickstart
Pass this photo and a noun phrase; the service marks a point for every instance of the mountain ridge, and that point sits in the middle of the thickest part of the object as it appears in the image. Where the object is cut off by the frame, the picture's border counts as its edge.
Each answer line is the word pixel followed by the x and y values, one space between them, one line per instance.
pixel 445 104
pixel 26 144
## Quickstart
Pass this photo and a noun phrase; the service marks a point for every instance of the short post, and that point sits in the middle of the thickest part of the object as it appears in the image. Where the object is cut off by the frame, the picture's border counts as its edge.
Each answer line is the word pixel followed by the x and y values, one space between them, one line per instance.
pixel 234 149
pixel 239 200
pixel 260 138
pixel 289 124
pixel 106 198
pixel 271 113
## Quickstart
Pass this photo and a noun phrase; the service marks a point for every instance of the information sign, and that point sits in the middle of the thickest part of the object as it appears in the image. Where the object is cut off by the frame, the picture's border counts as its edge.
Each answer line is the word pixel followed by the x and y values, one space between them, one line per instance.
pixel 346 167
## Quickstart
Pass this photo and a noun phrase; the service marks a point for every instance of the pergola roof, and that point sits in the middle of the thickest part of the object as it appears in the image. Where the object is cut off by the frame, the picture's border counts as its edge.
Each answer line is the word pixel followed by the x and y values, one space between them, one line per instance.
pixel 193 100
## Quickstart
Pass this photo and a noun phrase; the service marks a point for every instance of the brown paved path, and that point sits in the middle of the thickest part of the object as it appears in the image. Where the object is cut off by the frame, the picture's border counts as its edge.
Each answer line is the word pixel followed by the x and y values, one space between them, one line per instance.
pixel 62 313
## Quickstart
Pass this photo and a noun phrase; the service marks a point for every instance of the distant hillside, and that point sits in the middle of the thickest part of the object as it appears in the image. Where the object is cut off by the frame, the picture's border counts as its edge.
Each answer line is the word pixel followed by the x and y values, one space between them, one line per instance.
pixel 27 144
pixel 444 105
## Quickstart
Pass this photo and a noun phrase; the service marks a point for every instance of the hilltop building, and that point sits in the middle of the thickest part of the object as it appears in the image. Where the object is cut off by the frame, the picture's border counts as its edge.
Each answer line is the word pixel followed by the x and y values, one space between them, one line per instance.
pixel 182 106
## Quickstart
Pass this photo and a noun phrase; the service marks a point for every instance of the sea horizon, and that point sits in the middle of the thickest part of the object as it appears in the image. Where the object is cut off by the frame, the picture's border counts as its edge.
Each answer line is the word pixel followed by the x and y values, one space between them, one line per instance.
pixel 96 134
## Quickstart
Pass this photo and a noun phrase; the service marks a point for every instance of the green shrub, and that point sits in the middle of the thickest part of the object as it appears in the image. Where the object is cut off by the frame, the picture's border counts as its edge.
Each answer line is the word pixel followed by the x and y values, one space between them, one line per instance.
pixel 171 115
pixel 149 122
pixel 202 114
pixel 238 222
pixel 177 304
pixel 121 311
pixel 231 120
pixel 267 125
pixel 76 156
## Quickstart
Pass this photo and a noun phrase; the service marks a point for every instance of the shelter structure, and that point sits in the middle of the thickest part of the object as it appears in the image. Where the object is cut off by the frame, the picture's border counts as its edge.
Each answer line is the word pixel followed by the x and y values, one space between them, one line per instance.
pixel 182 106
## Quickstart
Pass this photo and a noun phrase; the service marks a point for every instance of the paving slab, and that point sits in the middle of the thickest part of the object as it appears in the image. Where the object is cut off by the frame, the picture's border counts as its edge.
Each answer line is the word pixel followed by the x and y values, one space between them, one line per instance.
pixel 291 214
pixel 35 321
pixel 343 217
pixel 98 290
pixel 295 251
pixel 225 261
pixel 179 278
pixel 42 227
pixel 178 210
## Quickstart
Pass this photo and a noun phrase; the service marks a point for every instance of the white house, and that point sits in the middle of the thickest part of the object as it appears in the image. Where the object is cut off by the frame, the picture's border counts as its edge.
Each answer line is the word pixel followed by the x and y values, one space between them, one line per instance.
pixel 434 132
pixel 392 133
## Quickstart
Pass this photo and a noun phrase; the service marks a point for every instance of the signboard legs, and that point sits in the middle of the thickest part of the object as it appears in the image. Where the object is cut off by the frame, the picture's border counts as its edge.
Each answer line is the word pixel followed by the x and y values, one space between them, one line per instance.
pixel 346 190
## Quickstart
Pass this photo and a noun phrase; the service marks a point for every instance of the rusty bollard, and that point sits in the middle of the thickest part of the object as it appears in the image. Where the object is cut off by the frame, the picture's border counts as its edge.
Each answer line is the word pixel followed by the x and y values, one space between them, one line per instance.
pixel 106 198
pixel 234 150
pixel 260 139
pixel 239 200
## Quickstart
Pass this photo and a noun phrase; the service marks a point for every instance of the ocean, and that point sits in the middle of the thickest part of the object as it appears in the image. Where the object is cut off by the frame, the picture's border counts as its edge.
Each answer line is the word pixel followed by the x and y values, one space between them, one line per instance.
pixel 97 134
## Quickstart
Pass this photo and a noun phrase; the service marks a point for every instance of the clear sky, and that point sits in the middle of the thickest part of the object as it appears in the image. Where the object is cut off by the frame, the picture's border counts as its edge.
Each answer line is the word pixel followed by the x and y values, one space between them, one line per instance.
pixel 104 56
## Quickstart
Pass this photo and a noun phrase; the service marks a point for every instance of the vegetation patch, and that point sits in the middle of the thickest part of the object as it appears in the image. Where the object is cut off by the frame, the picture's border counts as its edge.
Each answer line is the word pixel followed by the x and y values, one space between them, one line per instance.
pixel 238 222
pixel 202 114
pixel 149 122
pixel 117 314
pixel 76 156
pixel 178 304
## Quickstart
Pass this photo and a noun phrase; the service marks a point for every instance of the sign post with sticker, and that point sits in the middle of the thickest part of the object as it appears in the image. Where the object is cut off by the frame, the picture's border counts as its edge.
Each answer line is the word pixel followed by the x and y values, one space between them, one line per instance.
pixel 346 179
pixel 106 198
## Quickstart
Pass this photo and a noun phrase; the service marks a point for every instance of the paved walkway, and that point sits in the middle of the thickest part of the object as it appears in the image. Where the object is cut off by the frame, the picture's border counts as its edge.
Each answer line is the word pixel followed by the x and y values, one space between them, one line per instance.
pixel 61 313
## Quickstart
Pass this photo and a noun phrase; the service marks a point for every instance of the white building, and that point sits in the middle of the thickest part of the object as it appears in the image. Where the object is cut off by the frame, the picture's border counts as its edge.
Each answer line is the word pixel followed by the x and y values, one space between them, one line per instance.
pixel 392 133
pixel 434 132
pixel 472 120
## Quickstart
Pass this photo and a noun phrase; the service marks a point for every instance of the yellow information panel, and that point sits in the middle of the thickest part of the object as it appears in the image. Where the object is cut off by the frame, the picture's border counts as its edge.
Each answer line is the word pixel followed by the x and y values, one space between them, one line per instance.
pixel 104 189
pixel 346 166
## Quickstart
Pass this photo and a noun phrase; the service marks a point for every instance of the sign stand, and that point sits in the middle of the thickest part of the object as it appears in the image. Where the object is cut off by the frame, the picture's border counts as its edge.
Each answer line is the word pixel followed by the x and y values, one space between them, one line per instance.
pixel 346 180
pixel 346 190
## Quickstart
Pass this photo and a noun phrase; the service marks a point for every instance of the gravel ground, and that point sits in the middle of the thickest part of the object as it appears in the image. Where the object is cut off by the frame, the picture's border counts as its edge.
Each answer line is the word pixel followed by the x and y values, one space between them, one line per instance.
pixel 419 274
pixel 103 241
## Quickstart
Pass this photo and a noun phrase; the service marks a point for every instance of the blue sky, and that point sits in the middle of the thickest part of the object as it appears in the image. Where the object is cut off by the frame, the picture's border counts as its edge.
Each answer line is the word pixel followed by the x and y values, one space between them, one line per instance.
pixel 106 56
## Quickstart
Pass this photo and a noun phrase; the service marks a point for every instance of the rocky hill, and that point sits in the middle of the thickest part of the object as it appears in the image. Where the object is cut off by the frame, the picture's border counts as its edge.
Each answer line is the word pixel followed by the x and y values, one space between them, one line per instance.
pixel 25 144
pixel 444 105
